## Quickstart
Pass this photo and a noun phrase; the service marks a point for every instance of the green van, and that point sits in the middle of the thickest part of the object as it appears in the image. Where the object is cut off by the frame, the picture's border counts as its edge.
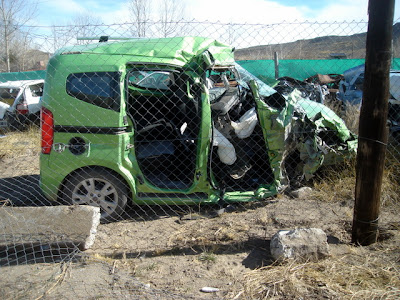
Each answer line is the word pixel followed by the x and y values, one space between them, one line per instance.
pixel 174 121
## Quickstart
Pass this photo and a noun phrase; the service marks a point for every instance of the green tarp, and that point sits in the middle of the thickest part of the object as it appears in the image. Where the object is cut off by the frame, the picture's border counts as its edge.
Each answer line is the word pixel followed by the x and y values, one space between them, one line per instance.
pixel 264 69
pixel 302 69
pixel 14 76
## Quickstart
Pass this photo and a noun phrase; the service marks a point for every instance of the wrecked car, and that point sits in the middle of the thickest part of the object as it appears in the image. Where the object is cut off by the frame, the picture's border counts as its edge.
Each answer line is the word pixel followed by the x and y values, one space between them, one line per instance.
pixel 351 93
pixel 20 103
pixel 175 121
pixel 312 91
pixel 321 88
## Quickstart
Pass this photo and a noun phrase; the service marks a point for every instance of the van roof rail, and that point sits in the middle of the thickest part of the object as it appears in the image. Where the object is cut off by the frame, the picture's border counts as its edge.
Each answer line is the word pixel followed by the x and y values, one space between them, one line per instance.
pixel 105 38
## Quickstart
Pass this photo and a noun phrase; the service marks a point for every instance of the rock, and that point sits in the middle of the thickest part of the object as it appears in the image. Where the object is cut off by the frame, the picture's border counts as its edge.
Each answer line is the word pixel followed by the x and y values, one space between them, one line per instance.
pixel 301 192
pixel 48 226
pixel 299 244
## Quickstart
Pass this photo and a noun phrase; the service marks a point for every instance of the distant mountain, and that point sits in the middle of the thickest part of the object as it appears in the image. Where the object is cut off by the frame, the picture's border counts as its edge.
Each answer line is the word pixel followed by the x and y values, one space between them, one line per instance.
pixel 352 46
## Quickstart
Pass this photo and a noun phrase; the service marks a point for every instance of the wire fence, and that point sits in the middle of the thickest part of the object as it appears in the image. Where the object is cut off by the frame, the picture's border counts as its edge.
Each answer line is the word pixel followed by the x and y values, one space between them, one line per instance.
pixel 192 152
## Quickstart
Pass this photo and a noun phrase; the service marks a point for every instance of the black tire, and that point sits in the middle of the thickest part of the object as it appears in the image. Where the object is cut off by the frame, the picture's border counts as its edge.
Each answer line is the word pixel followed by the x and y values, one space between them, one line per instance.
pixel 100 188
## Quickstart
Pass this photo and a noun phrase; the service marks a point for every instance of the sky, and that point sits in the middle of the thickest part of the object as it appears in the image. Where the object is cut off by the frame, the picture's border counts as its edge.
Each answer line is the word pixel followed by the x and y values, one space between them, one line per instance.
pixel 108 12
pixel 56 12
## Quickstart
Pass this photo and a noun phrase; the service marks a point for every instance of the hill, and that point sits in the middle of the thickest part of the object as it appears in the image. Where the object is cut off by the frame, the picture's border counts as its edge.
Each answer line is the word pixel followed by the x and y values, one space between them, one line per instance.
pixel 353 46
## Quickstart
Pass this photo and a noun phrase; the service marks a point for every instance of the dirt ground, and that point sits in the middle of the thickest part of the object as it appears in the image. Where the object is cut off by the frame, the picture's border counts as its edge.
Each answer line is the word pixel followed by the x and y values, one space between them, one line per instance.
pixel 174 252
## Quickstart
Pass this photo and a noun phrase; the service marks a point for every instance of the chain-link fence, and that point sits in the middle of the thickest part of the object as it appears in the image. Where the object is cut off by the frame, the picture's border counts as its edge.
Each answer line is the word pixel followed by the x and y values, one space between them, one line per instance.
pixel 196 153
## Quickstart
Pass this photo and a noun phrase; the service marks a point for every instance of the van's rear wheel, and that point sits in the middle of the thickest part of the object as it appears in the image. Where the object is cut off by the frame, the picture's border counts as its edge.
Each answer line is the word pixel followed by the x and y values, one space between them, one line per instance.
pixel 100 188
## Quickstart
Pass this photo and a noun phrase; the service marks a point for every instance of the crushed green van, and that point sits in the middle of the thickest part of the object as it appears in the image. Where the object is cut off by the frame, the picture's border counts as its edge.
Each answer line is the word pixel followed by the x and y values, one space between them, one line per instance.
pixel 174 121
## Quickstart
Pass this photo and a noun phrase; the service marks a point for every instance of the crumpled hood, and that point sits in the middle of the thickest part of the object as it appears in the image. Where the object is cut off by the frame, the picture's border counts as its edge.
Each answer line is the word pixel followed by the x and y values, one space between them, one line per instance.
pixel 302 136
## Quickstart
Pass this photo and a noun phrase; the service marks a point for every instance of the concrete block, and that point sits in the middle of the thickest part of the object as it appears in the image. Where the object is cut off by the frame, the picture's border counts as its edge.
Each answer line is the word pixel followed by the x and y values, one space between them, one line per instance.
pixel 48 225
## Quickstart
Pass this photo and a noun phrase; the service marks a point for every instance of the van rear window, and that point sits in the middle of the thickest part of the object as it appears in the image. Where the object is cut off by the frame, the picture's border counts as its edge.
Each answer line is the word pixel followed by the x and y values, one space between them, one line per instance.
pixel 97 88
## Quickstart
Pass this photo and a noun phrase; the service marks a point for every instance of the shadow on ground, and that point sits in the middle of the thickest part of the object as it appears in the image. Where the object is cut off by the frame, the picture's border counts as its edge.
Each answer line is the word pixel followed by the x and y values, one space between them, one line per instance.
pixel 259 252
pixel 22 191
pixel 40 253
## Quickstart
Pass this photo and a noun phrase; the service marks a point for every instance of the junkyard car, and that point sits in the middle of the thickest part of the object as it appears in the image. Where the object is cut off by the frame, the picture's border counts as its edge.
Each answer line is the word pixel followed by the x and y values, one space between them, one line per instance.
pixel 204 130
pixel 351 92
pixel 20 103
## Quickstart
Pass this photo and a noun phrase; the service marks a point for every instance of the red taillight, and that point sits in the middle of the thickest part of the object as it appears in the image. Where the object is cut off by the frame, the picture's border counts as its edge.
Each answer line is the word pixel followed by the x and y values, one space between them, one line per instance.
pixel 47 128
pixel 22 109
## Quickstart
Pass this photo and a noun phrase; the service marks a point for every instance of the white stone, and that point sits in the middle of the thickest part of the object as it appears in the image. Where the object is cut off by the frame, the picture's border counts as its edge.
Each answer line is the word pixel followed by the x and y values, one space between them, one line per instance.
pixel 300 244
pixel 301 192
pixel 208 289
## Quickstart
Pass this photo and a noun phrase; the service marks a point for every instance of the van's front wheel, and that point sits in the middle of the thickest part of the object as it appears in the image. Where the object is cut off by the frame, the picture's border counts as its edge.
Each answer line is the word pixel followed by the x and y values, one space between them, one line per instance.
pixel 100 188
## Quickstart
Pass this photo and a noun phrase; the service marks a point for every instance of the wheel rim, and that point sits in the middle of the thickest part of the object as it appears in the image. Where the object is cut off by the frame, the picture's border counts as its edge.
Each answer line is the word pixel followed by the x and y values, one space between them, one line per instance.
pixel 96 192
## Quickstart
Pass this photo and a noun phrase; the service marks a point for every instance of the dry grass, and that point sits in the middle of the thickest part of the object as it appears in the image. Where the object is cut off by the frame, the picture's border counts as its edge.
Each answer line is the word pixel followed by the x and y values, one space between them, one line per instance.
pixel 351 117
pixel 21 143
pixel 391 182
pixel 335 183
pixel 338 182
pixel 210 232
pixel 360 274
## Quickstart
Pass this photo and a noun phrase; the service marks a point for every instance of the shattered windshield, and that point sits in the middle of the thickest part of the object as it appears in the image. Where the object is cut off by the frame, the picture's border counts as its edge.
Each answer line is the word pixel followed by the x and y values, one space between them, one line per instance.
pixel 245 76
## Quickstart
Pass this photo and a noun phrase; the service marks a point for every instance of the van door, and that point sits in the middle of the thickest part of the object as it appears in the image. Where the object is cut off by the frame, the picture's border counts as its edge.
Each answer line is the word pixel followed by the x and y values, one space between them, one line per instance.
pixel 239 158
pixel 166 124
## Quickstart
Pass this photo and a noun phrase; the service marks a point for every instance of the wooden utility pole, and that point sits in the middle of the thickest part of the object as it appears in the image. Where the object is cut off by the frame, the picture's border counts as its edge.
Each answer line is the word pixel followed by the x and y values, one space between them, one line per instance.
pixel 373 131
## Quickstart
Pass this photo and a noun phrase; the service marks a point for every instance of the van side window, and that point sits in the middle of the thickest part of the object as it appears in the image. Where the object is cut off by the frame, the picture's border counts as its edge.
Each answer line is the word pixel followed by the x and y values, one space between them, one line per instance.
pixel 97 88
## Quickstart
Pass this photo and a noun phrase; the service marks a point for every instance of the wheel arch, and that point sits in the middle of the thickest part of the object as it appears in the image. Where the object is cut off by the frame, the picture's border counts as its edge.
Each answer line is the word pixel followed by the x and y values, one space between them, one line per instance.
pixel 125 180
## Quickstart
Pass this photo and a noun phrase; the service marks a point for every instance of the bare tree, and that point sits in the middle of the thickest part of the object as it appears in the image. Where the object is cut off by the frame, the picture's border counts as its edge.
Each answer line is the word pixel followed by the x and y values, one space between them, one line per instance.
pixel 85 25
pixel 14 14
pixel 140 11
pixel 19 48
pixel 61 36
pixel 82 25
pixel 170 12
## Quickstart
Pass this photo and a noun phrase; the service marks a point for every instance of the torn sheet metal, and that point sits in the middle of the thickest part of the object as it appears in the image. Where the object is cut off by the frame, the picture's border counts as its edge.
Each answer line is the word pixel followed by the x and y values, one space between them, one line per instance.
pixel 302 136
pixel 313 91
